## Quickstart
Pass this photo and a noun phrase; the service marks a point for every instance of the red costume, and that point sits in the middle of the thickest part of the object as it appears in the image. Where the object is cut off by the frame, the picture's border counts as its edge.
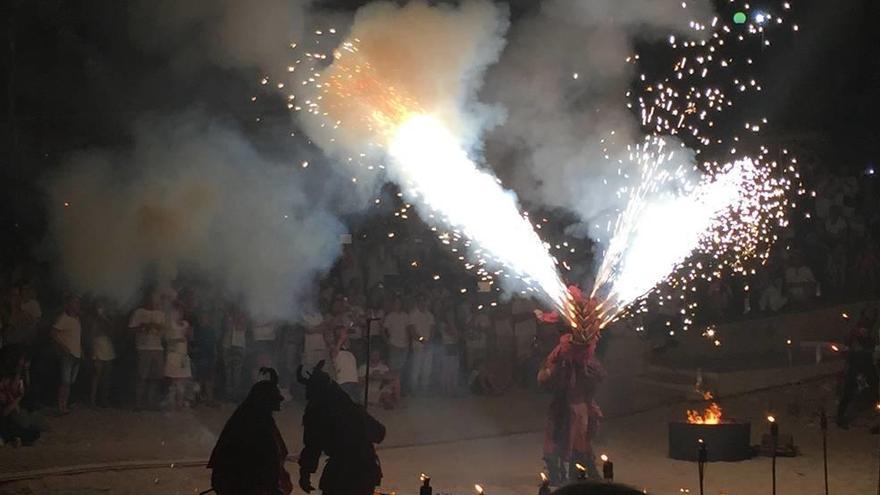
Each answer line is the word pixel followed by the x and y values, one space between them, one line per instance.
pixel 572 373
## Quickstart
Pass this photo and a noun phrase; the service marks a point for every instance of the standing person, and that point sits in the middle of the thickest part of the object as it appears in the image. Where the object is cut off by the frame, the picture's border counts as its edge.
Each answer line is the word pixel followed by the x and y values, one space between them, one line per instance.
pixel 205 335
pixel 572 373
pixel 450 351
pixel 148 323
pixel 100 330
pixel 67 335
pixel 234 343
pixel 345 365
pixel 477 338
pixel 502 355
pixel 23 315
pixel 525 330
pixel 395 326
pixel 178 370
pixel 859 361
pixel 421 327
pixel 265 350
pixel 314 345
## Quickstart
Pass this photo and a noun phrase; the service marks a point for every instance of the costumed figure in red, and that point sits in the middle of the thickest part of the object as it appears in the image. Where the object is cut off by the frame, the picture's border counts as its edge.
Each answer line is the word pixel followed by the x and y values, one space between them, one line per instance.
pixel 572 373
pixel 250 453
pixel 335 425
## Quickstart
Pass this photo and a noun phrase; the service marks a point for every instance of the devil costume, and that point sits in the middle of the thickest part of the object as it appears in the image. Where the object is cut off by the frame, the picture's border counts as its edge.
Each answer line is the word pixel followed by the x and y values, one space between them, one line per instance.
pixel 250 453
pixel 572 373
pixel 335 425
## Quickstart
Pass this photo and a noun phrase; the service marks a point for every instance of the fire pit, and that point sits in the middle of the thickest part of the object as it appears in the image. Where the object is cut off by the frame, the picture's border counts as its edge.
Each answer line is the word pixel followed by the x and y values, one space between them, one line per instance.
pixel 725 440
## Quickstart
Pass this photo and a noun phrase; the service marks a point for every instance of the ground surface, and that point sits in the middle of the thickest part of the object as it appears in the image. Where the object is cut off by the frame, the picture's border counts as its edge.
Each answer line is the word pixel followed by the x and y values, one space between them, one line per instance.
pixel 500 448
pixel 495 441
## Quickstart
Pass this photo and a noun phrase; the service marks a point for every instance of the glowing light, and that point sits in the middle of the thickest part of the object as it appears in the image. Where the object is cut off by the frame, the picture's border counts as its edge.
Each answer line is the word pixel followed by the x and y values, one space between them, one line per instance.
pixel 478 489
pixel 604 458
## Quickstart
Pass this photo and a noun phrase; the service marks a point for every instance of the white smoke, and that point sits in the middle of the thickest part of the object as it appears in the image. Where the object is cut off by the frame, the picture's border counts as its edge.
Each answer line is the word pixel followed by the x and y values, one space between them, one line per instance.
pixel 193 193
pixel 563 78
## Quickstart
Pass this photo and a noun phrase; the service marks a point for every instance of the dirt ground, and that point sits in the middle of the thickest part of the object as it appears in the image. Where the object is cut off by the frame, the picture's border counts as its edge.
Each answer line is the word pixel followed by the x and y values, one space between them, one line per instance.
pixel 492 441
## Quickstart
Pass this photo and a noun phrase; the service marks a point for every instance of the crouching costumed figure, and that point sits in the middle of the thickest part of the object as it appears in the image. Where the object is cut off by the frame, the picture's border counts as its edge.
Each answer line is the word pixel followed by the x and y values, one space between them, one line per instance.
pixel 335 425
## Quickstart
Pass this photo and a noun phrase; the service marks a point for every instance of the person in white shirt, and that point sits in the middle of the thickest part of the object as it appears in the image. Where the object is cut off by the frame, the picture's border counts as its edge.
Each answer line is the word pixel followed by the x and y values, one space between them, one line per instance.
pixel 67 335
pixel 178 369
pixel 345 366
pixel 421 327
pixel 800 283
pixel 314 346
pixel 148 323
pixel 396 325
pixel 772 298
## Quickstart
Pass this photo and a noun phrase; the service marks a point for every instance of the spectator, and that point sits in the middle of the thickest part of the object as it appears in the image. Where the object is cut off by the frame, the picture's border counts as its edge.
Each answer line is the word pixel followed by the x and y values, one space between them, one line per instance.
pixel 867 269
pixel 396 324
pixel 771 298
pixel 178 370
pixel 234 343
pixel 719 295
pixel 449 360
pixel 476 338
pixel 421 327
pixel 525 329
pixel 265 338
pixel 23 314
pixel 17 425
pixel 344 365
pixel 502 354
pixel 148 323
pixel 384 383
pixel 835 226
pixel 67 336
pixel 800 283
pixel 205 335
pixel 483 380
pixel 836 265
pixel 100 331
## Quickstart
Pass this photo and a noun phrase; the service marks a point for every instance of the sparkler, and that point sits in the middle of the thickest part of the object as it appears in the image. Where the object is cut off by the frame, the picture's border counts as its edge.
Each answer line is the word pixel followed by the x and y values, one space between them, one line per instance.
pixel 724 213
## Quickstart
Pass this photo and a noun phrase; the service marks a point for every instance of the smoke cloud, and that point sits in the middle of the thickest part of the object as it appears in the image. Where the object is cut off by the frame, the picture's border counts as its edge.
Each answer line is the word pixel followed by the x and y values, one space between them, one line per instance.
pixel 193 193
pixel 563 80
pixel 432 56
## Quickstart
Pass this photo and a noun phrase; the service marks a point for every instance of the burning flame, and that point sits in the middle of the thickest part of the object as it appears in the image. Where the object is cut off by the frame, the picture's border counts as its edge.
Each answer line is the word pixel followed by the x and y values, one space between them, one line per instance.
pixel 711 416
pixel 478 489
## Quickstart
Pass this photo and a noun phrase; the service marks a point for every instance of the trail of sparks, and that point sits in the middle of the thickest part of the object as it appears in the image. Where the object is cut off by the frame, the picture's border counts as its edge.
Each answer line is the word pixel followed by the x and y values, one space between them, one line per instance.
pixel 724 222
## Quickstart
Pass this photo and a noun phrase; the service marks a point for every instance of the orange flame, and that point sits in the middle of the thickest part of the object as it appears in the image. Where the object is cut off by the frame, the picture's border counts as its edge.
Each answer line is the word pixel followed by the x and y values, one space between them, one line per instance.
pixel 711 416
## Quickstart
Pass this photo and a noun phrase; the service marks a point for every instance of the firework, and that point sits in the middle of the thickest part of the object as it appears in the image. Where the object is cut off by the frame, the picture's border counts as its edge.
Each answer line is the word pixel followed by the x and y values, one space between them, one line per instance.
pixel 682 222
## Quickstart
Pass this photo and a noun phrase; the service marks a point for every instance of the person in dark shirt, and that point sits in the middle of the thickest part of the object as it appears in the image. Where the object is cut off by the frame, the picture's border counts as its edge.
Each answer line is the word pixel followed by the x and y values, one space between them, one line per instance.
pixel 859 362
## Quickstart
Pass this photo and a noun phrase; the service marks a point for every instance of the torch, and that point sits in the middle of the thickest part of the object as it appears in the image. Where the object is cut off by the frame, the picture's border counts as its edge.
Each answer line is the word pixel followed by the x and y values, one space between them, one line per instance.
pixel 544 489
pixel 774 436
pixel 426 485
pixel 702 458
pixel 607 468
pixel 823 423
pixel 479 490
pixel 582 471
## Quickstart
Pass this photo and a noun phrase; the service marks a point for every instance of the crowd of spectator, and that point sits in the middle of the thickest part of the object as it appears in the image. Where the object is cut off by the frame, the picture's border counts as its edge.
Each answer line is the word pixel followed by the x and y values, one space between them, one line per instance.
pixel 395 309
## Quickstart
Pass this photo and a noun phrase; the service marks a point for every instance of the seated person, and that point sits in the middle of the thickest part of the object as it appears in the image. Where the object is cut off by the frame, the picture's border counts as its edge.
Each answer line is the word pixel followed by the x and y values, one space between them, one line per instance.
pixel 384 383
pixel 17 425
